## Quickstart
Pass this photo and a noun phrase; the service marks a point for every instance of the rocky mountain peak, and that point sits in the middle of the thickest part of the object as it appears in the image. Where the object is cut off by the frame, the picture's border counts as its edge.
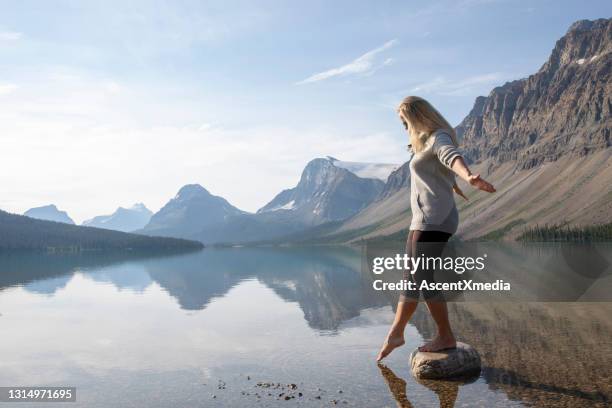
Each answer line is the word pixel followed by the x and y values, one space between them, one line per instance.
pixel 49 212
pixel 563 109
pixel 191 190
pixel 317 173
pixel 123 219
pixel 189 211
pixel 397 180
pixel 584 42
pixel 139 207
pixel 327 191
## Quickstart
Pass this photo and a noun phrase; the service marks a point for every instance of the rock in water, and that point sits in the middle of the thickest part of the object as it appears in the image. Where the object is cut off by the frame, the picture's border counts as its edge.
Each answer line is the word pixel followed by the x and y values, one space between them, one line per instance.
pixel 462 361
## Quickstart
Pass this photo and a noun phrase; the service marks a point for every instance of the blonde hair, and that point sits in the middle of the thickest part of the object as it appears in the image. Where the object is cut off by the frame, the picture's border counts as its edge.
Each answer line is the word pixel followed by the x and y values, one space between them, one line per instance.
pixel 422 120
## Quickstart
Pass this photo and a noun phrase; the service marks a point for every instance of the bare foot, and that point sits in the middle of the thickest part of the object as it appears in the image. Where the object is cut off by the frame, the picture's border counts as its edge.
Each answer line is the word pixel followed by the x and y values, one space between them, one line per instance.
pixel 392 342
pixel 439 343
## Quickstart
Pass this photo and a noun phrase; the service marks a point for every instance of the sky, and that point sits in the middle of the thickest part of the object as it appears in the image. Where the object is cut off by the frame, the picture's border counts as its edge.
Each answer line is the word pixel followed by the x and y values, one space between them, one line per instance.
pixel 109 103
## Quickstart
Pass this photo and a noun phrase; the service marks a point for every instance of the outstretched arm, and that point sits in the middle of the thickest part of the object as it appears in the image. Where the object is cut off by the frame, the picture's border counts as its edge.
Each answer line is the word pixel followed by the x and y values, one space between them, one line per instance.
pixel 449 156
pixel 460 168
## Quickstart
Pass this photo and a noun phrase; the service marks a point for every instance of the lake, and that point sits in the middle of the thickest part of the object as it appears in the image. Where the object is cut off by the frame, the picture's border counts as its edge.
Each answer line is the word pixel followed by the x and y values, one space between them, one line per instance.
pixel 241 327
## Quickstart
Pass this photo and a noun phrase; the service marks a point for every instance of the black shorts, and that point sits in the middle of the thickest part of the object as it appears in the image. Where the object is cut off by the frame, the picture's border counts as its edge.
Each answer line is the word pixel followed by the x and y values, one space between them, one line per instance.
pixel 426 244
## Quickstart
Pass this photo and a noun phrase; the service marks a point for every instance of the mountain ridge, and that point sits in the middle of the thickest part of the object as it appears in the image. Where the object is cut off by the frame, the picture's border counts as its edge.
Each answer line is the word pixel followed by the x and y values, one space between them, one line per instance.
pixel 49 212
pixel 122 219
pixel 327 191
pixel 191 209
pixel 563 109
pixel 544 142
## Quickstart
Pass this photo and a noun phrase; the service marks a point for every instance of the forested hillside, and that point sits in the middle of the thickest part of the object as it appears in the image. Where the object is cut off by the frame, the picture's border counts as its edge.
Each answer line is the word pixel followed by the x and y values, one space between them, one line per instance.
pixel 21 232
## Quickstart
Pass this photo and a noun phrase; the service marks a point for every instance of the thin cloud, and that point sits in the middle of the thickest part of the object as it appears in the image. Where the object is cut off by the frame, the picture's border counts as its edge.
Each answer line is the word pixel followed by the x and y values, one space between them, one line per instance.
pixel 444 86
pixel 76 124
pixel 10 36
pixel 6 89
pixel 365 64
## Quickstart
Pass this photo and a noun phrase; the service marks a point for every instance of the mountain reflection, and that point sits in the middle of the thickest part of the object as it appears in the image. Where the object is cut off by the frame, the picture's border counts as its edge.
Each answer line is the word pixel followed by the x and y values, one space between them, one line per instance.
pixel 532 352
pixel 328 284
pixel 24 268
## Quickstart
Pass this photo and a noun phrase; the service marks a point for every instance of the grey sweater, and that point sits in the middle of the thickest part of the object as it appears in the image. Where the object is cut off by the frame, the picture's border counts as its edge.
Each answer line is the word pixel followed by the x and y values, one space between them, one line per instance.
pixel 431 185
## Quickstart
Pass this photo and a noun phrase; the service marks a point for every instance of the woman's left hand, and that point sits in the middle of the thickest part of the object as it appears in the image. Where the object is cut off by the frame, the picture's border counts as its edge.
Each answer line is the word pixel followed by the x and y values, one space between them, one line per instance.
pixel 480 183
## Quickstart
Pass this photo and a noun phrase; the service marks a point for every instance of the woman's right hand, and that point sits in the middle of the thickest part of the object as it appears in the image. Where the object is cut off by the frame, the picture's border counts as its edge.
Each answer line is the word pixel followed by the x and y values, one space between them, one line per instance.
pixel 480 183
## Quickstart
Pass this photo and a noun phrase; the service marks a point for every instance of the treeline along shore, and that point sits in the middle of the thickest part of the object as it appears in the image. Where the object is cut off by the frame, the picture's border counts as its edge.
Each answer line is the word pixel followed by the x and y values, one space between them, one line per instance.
pixel 18 232
pixel 567 233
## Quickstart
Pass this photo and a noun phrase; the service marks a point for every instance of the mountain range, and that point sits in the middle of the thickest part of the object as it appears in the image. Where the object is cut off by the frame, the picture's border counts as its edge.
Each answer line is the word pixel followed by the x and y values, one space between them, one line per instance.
pixel 123 219
pixel 543 141
pixel 329 190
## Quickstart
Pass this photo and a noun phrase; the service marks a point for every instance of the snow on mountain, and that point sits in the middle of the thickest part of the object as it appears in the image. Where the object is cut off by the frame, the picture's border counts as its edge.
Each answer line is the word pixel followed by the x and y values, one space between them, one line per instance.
pixel 379 171
pixel 329 192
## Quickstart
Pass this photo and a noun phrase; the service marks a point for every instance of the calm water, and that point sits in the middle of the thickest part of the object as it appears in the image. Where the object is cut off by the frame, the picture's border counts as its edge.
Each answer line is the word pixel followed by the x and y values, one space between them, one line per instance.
pixel 203 329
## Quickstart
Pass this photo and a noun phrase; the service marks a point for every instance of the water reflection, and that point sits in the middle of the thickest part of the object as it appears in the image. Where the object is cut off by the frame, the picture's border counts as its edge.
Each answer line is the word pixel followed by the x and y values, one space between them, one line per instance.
pixel 534 354
pixel 20 268
pixel 328 284
pixel 446 391
pixel 551 351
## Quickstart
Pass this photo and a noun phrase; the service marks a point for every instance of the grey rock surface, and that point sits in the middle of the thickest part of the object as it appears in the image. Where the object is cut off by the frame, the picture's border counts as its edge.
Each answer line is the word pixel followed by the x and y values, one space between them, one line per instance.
pixel 325 192
pixel 562 110
pixel 462 361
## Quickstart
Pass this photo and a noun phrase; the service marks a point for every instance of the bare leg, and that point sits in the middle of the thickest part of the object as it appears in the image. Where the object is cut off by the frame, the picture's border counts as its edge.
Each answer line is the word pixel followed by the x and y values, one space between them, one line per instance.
pixel 445 338
pixel 395 338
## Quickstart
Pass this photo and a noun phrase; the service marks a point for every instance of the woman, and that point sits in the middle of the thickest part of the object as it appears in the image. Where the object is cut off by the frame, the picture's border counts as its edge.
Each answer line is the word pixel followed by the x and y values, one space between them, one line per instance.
pixel 433 168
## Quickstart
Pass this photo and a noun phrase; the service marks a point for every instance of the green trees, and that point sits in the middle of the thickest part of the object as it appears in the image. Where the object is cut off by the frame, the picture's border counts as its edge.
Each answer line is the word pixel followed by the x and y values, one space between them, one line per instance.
pixel 20 232
pixel 546 233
